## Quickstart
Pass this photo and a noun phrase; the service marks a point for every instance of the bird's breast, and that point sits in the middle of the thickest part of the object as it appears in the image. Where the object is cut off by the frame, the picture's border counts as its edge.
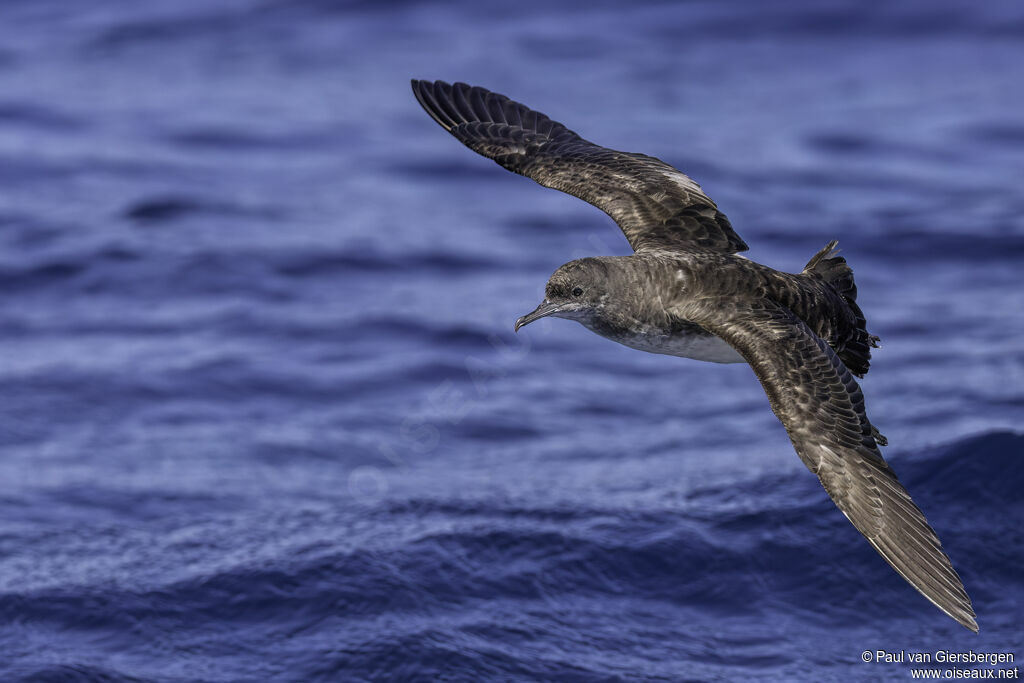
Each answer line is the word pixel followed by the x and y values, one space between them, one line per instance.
pixel 690 341
pixel 706 347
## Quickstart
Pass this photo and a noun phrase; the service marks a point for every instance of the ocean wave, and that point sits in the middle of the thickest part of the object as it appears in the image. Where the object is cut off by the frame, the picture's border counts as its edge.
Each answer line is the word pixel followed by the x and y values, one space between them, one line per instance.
pixel 785 556
pixel 162 209
pixel 35 116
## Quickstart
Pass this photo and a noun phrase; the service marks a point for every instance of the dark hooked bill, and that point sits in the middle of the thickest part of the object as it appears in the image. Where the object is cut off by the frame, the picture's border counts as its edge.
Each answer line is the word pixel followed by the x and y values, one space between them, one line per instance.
pixel 545 309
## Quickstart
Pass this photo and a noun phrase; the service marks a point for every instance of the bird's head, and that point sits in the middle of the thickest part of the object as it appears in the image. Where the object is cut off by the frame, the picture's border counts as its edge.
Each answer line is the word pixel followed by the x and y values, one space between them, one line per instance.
pixel 576 291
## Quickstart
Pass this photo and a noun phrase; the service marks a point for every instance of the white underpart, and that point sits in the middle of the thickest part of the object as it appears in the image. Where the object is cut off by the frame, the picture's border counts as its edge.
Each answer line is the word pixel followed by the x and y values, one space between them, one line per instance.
pixel 699 347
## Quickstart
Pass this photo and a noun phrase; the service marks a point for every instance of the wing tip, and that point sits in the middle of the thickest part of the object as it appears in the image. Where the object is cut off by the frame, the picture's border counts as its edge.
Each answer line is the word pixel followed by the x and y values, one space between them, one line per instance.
pixel 427 94
pixel 961 612
pixel 965 618
pixel 954 601
pixel 964 615
pixel 453 104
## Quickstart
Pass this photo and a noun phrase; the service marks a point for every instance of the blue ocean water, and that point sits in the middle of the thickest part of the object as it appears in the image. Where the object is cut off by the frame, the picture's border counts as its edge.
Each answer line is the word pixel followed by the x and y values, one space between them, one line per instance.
pixel 264 416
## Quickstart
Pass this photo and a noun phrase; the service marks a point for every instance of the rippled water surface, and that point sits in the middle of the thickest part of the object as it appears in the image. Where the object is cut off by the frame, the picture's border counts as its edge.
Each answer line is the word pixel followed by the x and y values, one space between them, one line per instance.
pixel 264 416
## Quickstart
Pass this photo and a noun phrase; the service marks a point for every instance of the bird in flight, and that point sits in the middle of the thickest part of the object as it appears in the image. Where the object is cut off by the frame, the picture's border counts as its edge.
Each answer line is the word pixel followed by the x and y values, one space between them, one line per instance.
pixel 685 292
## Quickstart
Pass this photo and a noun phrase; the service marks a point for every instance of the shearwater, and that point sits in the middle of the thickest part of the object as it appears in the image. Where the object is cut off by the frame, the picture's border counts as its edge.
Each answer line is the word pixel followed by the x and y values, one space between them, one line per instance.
pixel 685 292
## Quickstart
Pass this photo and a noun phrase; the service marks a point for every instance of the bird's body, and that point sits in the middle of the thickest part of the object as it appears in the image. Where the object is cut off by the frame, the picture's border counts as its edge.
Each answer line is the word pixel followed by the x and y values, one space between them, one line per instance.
pixel 645 296
pixel 638 308
pixel 686 292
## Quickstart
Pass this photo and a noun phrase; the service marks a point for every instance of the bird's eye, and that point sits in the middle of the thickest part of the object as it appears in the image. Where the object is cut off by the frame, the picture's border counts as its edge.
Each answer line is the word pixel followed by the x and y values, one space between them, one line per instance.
pixel 577 291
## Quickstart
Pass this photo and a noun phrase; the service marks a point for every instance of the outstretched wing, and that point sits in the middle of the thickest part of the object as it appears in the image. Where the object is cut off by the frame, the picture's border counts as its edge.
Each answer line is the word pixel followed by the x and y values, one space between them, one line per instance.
pixel 657 207
pixel 822 407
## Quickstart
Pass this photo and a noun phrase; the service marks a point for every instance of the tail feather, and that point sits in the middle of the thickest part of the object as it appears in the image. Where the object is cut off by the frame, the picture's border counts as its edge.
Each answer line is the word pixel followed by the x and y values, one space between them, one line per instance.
pixel 855 351
pixel 834 270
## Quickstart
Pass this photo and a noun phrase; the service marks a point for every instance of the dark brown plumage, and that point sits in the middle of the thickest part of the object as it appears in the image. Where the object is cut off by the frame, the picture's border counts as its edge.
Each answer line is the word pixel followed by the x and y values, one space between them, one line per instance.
pixel 685 292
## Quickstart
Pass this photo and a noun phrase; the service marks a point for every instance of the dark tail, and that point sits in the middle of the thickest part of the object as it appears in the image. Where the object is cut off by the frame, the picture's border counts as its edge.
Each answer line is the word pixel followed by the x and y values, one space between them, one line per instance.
pixel 855 350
